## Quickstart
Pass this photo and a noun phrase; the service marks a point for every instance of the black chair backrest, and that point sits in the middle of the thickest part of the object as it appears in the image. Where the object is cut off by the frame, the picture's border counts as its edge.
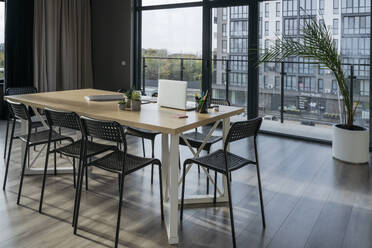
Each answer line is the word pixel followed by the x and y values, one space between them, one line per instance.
pixel 106 130
pixel 63 119
pixel 19 111
pixel 223 102
pixel 20 91
pixel 243 129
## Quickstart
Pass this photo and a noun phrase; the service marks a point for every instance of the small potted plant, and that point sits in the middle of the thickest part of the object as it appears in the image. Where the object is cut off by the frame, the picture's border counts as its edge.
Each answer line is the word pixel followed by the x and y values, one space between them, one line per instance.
pixel 122 104
pixel 129 94
pixel 136 101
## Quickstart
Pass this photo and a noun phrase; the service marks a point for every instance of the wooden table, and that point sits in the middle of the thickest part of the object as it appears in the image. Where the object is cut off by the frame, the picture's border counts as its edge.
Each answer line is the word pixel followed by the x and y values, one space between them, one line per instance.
pixel 151 117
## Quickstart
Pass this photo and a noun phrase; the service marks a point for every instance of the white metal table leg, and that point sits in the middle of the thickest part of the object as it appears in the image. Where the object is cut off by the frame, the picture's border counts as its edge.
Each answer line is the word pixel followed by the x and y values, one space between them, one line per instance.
pixel 221 193
pixel 170 159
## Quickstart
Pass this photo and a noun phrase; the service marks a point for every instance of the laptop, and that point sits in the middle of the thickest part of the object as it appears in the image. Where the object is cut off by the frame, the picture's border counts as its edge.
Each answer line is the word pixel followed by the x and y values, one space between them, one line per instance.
pixel 172 94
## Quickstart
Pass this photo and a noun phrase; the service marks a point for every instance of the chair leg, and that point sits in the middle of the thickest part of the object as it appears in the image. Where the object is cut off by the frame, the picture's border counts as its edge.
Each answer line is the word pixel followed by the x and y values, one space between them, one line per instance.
pixel 207 176
pixel 44 177
pixel 119 210
pixel 74 171
pixel 86 178
pixel 6 137
pixel 55 158
pixel 183 190
pixel 78 197
pixel 143 147
pixel 152 166
pixel 261 198
pixel 207 182
pixel 34 146
pixel 119 181
pixel 231 212
pixel 215 188
pixel 77 190
pixel 22 174
pixel 161 193
pixel 179 160
pixel 8 158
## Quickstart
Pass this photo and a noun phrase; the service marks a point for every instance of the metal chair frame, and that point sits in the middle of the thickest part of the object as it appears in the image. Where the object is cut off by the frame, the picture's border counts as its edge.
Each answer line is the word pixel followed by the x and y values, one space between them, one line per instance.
pixel 20 111
pixel 238 131
pixel 114 132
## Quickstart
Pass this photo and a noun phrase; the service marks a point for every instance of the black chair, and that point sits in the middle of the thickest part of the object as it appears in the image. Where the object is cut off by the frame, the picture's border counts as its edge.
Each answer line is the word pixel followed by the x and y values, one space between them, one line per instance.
pixel 19 91
pixel 118 161
pixel 224 162
pixel 143 134
pixel 20 111
pixel 197 138
pixel 69 120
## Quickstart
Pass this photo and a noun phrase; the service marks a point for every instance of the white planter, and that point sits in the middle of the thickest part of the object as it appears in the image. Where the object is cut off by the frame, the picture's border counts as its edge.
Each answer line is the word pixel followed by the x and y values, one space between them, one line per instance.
pixel 350 146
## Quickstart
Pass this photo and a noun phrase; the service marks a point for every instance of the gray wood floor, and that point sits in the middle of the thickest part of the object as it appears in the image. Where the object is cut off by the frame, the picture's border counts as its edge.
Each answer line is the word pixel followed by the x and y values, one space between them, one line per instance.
pixel 310 200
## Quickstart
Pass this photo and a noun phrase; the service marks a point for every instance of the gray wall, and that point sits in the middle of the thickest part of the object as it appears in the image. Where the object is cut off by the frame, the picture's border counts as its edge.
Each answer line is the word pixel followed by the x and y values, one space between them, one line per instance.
pixel 111 43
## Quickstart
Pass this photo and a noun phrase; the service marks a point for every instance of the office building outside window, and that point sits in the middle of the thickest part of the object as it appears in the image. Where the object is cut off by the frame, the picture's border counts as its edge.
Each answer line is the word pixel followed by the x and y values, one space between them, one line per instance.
pixel 267 11
pixel 335 27
pixel 336 4
pixel 277 9
pixel 277 27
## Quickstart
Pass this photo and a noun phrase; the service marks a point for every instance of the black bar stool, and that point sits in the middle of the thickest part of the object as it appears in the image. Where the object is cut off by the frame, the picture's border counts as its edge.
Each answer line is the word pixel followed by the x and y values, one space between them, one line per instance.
pixel 118 161
pixel 224 162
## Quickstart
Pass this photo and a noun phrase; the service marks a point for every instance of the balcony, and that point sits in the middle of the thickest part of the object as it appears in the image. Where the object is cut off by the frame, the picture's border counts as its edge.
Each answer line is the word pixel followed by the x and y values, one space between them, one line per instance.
pixel 295 98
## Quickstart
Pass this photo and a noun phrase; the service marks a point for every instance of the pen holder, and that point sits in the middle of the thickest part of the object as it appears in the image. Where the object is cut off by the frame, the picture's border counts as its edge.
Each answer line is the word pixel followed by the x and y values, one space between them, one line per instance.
pixel 201 106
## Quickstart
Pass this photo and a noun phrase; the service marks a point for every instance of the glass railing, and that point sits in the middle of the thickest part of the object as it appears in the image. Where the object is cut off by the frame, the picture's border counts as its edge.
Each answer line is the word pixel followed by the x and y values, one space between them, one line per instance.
pixel 302 95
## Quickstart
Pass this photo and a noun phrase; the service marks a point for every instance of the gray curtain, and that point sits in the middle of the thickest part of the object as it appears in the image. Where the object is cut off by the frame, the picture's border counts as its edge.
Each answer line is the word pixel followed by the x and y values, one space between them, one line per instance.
pixel 62 45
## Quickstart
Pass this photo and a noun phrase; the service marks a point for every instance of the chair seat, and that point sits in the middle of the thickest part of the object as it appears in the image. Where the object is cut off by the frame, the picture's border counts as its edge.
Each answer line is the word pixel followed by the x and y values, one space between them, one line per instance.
pixel 42 137
pixel 216 161
pixel 113 161
pixel 93 148
pixel 197 138
pixel 142 133
pixel 36 124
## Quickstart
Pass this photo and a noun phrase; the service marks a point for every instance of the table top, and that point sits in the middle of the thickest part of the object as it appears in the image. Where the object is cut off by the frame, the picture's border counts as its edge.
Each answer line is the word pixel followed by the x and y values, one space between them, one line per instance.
pixel 151 117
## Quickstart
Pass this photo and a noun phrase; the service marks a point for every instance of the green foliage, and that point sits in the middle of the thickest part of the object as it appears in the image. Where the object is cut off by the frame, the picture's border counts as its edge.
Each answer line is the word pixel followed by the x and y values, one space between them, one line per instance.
pixel 122 102
pixel 317 44
pixel 170 68
pixel 136 96
pixel 129 93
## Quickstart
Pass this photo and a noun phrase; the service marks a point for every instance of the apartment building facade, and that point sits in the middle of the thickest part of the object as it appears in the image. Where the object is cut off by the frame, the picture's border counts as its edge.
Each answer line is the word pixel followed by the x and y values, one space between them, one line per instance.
pixel 310 91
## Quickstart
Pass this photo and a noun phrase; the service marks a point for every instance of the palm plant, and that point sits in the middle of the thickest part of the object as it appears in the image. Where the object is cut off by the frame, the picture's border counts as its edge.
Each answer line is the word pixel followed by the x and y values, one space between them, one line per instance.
pixel 317 44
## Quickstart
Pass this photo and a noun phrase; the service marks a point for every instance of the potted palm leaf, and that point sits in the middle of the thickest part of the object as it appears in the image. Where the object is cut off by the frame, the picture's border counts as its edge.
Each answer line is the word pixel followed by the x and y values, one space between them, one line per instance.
pixel 350 142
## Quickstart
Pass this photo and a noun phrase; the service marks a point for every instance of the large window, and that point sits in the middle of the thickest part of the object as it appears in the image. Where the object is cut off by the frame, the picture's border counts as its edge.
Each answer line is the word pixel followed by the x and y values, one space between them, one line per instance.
pixel 160 2
pixel 2 36
pixel 311 95
pixel 172 47
pixel 210 50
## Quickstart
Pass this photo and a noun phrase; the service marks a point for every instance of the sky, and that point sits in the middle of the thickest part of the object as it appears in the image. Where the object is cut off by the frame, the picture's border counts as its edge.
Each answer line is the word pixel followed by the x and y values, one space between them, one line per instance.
pixel 177 30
